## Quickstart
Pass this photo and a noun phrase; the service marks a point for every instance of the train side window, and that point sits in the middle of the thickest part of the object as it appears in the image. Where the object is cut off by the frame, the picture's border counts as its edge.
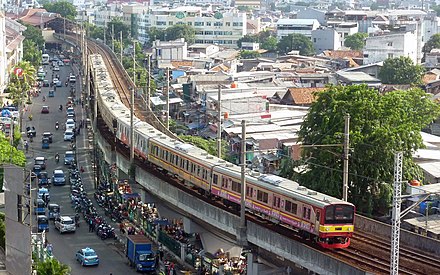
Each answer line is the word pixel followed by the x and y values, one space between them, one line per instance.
pixel 224 182
pixel 215 179
pixel 262 196
pixel 236 186
pixel 306 213
pixel 198 171
pixel 249 191
pixel 291 207
pixel 186 165
pixel 318 215
pixel 276 201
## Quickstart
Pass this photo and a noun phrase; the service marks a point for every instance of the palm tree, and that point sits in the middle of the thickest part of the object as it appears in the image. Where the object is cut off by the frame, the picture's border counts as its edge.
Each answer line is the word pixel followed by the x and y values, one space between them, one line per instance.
pixel 20 85
pixel 52 267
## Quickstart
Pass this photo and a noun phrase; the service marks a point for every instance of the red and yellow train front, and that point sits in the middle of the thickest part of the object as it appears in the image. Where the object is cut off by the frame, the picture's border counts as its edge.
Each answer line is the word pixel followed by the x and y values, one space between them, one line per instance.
pixel 337 226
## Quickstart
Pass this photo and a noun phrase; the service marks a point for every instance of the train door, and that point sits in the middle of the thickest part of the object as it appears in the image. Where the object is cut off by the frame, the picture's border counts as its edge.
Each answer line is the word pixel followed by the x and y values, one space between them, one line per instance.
pixel 317 220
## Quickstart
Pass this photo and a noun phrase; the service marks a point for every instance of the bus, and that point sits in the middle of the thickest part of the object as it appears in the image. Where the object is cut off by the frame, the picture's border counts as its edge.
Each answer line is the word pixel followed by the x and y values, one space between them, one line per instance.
pixel 45 59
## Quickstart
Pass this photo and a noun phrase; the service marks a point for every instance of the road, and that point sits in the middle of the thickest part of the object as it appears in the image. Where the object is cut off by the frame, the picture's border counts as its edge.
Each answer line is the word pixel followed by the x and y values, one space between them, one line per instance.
pixel 112 260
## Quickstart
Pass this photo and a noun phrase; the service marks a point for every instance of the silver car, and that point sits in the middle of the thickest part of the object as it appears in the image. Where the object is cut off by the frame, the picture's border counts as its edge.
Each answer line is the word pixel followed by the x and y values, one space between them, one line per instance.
pixel 65 224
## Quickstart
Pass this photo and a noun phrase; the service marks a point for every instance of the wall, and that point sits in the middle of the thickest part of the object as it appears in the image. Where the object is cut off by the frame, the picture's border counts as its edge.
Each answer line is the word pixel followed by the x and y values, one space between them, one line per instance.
pixel 379 48
pixel 325 39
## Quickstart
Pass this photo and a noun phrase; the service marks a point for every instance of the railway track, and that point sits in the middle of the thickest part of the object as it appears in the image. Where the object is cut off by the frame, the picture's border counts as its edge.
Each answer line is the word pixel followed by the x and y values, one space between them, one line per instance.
pixel 366 252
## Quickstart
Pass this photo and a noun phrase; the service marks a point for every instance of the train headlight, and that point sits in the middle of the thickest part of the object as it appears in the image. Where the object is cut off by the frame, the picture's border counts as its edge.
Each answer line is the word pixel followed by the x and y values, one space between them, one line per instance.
pixel 327 229
pixel 349 229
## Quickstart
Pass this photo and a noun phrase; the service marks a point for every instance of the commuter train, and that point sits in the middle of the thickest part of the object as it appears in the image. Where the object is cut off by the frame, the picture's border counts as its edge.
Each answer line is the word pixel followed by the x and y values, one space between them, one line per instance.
pixel 328 221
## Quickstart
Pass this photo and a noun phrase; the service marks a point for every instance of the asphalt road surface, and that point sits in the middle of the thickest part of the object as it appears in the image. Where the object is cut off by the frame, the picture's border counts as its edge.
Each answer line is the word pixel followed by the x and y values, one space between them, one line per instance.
pixel 112 260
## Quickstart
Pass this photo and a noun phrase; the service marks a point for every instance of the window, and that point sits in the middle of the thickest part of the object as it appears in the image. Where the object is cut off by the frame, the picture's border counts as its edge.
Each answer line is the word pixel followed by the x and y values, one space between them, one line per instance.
pixel 249 191
pixel 161 23
pixel 291 207
pixel 218 24
pixel 224 182
pixel 236 186
pixel 276 202
pixel 390 55
pixel 215 179
pixel 198 24
pixel 170 23
pixel 306 213
pixel 228 24
pixel 199 33
pixel 390 44
pixel 262 196
pixel 314 40
pixel 339 214
pixel 208 32
pixel 208 23
pixel 318 215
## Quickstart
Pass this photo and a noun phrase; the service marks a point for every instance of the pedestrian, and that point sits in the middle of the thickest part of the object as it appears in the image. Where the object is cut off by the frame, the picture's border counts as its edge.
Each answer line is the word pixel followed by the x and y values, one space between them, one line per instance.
pixel 161 252
pixel 90 225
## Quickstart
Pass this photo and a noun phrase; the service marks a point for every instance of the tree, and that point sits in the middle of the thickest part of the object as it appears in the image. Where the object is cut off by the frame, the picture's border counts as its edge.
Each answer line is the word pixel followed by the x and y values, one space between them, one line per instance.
pixel 209 146
pixel 64 8
pixel 52 266
pixel 356 41
pixel 269 44
pixel 433 43
pixel 249 54
pixel 180 31
pixel 247 38
pixel 401 70
pixel 34 34
pixel 19 86
pixel 297 42
pixel 436 8
pixel 117 26
pixel 31 53
pixel 380 125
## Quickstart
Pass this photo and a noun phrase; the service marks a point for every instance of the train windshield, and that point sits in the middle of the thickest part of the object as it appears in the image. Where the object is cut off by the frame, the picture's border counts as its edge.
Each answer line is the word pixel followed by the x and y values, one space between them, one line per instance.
pixel 339 214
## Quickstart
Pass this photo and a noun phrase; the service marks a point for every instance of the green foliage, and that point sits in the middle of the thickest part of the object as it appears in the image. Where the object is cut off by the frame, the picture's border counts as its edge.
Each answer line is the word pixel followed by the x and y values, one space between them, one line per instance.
pixel 401 70
pixel 436 8
pixel 249 54
pixel 269 44
pixel 18 87
pixel 266 39
pixel 210 146
pixel 303 4
pixel 355 41
pixel 115 27
pixel 34 34
pixel 31 53
pixel 52 267
pixel 380 125
pixel 95 32
pixel 64 8
pixel 173 33
pixel 244 8
pixel 433 43
pixel 10 154
pixel 297 42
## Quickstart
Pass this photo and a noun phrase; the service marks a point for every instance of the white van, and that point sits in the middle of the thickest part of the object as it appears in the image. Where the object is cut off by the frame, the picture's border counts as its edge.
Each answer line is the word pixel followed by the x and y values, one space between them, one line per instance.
pixel 72 79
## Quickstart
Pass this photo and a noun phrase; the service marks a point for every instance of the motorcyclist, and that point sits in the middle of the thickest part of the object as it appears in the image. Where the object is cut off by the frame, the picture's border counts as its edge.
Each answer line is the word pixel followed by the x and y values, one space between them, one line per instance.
pixel 77 220
pixel 30 117
pixel 44 98
pixel 57 125
pixel 26 145
pixel 61 107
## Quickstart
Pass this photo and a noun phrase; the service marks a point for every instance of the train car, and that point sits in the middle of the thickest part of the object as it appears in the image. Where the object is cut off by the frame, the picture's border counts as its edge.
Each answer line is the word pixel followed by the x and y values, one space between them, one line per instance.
pixel 327 220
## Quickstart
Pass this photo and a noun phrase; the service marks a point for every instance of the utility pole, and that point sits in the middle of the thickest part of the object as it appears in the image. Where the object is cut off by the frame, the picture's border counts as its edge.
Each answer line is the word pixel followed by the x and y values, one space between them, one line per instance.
pixel 148 82
pixel 132 107
pixel 346 155
pixel 113 38
pixel 395 218
pixel 167 110
pixel 64 25
pixel 219 125
pixel 105 30
pixel 242 236
pixel 122 46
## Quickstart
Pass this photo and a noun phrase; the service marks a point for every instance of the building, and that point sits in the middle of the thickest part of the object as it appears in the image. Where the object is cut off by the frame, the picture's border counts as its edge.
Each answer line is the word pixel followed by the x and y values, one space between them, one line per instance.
pixel 325 39
pixel 131 13
pixel 312 13
pixel 296 26
pixel 357 78
pixel 166 51
pixel 250 46
pixel 389 45
pixel 221 27
pixel 253 4
pixel 432 59
pixel 105 14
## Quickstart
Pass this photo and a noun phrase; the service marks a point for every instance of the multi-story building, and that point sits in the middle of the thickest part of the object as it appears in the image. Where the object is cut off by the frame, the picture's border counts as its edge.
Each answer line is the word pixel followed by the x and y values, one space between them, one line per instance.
pixel 166 51
pixel 105 14
pixel 131 13
pixel 389 45
pixel 253 4
pixel 222 28
pixel 325 39
pixel 296 26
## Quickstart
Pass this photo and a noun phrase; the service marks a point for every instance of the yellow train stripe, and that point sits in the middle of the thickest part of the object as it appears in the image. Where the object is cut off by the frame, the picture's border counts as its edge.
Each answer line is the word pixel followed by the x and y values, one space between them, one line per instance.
pixel 336 228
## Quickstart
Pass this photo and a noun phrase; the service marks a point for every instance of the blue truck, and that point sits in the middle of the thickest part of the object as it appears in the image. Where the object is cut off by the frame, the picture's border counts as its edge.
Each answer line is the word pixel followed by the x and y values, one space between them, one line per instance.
pixel 140 253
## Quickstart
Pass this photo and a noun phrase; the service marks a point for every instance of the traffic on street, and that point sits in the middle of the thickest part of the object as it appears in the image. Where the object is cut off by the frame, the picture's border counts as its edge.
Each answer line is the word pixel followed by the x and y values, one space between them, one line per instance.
pixel 56 151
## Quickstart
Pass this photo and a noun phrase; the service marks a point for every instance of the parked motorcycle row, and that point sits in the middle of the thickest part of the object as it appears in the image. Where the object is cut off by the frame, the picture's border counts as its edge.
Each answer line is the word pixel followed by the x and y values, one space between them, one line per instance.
pixel 107 202
pixel 84 205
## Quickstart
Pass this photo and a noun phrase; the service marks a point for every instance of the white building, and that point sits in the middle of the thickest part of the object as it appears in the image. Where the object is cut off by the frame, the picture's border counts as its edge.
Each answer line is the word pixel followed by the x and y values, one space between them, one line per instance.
pixel 105 14
pixel 3 56
pixel 222 28
pixel 380 47
pixel 325 39
pixel 298 26
pixel 166 51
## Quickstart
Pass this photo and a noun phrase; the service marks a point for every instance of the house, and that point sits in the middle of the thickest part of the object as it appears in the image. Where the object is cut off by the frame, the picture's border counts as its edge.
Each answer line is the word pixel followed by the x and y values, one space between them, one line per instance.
pixel 390 45
pixel 163 52
pixel 300 96
pixel 372 69
pixel 432 59
pixel 287 26
pixel 356 78
pixel 325 39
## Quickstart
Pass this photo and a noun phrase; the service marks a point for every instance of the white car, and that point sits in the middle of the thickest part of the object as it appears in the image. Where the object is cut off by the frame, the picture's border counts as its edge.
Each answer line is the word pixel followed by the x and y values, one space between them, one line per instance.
pixel 56 69
pixel 69 135
pixel 70 124
pixel 65 224
pixel 55 81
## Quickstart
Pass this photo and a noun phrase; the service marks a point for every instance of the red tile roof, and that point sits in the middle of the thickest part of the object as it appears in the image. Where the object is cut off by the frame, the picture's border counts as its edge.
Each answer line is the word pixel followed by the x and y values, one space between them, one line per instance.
pixel 343 54
pixel 304 96
pixel 36 17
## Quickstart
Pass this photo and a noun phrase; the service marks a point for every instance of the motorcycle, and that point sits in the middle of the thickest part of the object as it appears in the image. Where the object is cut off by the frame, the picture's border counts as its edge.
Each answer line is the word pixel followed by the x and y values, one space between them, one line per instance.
pixel 57 158
pixel 57 126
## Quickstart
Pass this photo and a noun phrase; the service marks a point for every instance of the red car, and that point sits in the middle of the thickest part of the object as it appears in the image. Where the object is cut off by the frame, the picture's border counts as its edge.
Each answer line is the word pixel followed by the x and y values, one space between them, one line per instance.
pixel 45 110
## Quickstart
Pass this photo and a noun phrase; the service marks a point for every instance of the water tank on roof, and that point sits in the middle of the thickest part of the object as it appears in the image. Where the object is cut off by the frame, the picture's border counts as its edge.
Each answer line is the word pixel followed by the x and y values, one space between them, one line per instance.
pixel 234 85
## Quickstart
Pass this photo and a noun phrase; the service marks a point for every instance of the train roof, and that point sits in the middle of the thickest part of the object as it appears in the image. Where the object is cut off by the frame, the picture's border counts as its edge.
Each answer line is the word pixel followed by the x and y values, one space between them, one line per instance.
pixel 110 98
